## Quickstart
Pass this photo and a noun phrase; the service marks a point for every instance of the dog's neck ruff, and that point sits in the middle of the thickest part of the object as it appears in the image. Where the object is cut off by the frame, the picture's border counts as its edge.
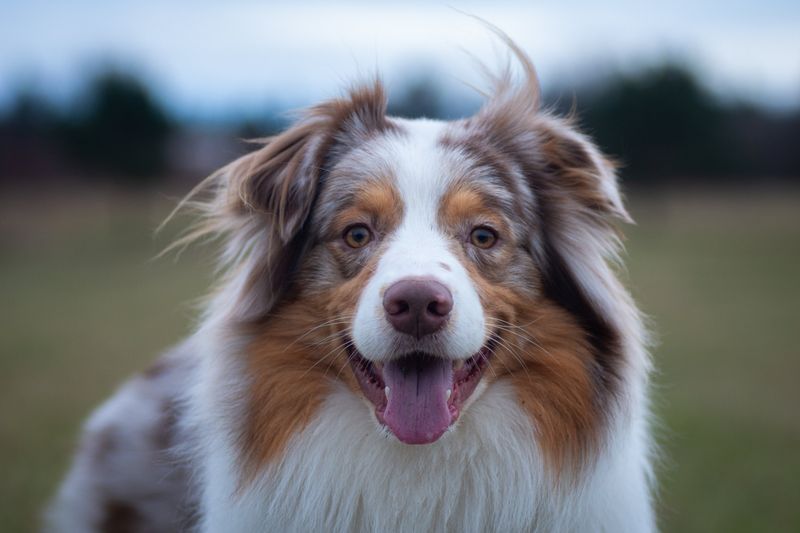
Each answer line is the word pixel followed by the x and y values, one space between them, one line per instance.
pixel 341 474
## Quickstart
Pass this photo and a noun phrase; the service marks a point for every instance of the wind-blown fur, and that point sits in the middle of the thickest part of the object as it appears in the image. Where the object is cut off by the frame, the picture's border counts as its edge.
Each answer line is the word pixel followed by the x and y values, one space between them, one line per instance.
pixel 258 421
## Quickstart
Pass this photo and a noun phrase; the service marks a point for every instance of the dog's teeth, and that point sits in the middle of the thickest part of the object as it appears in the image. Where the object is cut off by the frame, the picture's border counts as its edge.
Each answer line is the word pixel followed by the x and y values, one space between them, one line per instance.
pixel 446 394
pixel 388 392
pixel 459 364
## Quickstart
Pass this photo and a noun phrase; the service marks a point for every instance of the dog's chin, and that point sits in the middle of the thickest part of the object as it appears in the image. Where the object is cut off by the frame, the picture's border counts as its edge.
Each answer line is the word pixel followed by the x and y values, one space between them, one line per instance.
pixel 418 396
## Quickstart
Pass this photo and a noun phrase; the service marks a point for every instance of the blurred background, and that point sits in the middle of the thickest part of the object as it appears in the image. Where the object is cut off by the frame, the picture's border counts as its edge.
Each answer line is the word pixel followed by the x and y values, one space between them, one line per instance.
pixel 111 111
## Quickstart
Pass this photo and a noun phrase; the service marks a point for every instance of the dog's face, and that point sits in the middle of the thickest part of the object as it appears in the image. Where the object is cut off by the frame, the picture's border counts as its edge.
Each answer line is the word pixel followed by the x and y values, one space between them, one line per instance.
pixel 420 261
pixel 430 244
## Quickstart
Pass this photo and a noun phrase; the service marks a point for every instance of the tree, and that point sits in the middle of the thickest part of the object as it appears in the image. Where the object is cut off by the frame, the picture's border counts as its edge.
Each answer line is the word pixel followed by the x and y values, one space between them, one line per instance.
pixel 120 129
pixel 660 123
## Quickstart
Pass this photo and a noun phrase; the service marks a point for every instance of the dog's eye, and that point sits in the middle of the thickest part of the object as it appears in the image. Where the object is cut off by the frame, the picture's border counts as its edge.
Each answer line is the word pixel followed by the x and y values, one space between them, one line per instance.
pixel 483 237
pixel 357 236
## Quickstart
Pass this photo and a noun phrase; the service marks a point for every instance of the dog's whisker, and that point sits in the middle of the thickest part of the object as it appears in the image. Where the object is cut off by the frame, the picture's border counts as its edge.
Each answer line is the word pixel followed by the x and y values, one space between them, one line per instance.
pixel 338 320
pixel 332 354
pixel 504 344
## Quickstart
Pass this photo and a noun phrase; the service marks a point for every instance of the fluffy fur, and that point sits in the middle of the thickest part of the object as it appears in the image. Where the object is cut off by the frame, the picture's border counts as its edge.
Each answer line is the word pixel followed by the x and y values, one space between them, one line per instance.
pixel 263 420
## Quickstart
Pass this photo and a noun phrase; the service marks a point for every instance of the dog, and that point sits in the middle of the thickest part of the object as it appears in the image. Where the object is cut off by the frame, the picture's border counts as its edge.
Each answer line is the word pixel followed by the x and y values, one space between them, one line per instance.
pixel 419 328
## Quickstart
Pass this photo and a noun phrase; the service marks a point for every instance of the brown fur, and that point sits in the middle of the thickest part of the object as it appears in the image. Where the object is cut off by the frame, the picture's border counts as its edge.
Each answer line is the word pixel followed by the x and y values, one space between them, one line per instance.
pixel 101 444
pixel 463 208
pixel 377 203
pixel 569 392
pixel 541 348
pixel 120 517
pixel 550 364
pixel 292 364
pixel 287 385
pixel 463 204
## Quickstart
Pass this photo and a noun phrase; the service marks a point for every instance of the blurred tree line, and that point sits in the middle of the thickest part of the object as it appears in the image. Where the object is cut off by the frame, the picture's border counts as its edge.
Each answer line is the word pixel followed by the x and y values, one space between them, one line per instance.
pixel 116 130
pixel 663 124
pixel 660 123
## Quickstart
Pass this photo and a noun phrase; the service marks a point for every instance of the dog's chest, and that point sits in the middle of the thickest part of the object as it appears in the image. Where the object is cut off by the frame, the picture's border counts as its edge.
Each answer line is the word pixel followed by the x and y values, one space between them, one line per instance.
pixel 341 474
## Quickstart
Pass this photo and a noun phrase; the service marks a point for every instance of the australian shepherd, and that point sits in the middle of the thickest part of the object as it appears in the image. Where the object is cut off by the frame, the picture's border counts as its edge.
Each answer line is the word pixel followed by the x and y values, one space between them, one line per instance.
pixel 419 328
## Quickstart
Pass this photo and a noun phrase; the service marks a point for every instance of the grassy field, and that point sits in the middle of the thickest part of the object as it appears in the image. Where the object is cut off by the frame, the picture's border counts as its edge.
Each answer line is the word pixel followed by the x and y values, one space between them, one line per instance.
pixel 719 274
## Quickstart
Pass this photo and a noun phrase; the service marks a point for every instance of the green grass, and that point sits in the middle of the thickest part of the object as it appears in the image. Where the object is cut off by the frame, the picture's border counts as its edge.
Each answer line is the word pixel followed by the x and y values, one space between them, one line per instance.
pixel 84 307
pixel 719 276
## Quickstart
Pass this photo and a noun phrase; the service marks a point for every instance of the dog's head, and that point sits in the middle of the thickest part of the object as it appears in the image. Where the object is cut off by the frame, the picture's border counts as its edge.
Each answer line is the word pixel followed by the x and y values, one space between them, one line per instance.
pixel 419 261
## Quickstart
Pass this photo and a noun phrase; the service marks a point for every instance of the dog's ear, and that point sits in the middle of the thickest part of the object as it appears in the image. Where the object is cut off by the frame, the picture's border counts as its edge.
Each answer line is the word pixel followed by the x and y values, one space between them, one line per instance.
pixel 580 169
pixel 576 204
pixel 579 204
pixel 260 203
pixel 280 180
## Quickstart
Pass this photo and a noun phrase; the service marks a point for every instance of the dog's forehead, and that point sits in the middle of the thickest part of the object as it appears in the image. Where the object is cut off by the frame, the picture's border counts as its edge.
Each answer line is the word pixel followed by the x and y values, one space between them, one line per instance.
pixel 418 159
pixel 423 167
pixel 413 157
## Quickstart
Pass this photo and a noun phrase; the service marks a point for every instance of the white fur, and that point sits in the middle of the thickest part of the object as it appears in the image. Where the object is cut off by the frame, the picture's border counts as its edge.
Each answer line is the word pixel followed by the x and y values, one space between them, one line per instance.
pixel 340 474
pixel 419 249
pixel 118 463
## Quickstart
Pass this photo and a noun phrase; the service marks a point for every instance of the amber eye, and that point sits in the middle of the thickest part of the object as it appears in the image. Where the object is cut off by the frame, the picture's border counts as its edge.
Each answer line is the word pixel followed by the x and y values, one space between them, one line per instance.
pixel 357 236
pixel 483 237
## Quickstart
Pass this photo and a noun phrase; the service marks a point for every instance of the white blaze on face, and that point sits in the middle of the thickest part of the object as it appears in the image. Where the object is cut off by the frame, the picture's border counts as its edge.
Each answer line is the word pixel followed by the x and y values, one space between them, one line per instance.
pixel 419 248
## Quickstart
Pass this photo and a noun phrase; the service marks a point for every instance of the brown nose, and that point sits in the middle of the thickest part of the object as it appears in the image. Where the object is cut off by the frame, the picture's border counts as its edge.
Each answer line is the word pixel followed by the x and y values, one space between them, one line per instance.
pixel 417 307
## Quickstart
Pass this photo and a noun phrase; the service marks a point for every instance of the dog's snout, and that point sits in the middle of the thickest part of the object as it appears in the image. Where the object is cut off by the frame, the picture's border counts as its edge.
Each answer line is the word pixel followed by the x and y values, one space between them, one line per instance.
pixel 417 307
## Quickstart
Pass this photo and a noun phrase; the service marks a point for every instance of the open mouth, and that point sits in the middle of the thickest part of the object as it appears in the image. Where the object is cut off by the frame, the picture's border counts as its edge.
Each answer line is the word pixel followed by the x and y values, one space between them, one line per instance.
pixel 418 396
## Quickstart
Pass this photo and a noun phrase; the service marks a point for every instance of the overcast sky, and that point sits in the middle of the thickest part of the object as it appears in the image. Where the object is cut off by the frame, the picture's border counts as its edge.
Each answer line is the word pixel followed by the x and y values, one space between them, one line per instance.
pixel 221 57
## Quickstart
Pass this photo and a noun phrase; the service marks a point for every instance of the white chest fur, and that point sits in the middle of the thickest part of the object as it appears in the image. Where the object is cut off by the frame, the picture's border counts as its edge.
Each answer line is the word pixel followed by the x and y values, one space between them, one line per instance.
pixel 341 474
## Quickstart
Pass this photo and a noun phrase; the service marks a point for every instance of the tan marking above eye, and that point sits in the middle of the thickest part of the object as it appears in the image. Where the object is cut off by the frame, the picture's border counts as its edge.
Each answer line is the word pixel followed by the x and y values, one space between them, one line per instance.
pixel 357 236
pixel 483 237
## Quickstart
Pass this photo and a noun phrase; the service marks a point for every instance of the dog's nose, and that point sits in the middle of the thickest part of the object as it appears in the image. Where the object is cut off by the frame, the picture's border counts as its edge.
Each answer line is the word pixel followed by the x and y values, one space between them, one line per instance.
pixel 417 307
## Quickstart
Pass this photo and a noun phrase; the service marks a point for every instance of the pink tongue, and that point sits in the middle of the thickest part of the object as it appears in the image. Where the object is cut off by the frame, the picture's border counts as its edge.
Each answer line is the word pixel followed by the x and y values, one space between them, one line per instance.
pixel 417 411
